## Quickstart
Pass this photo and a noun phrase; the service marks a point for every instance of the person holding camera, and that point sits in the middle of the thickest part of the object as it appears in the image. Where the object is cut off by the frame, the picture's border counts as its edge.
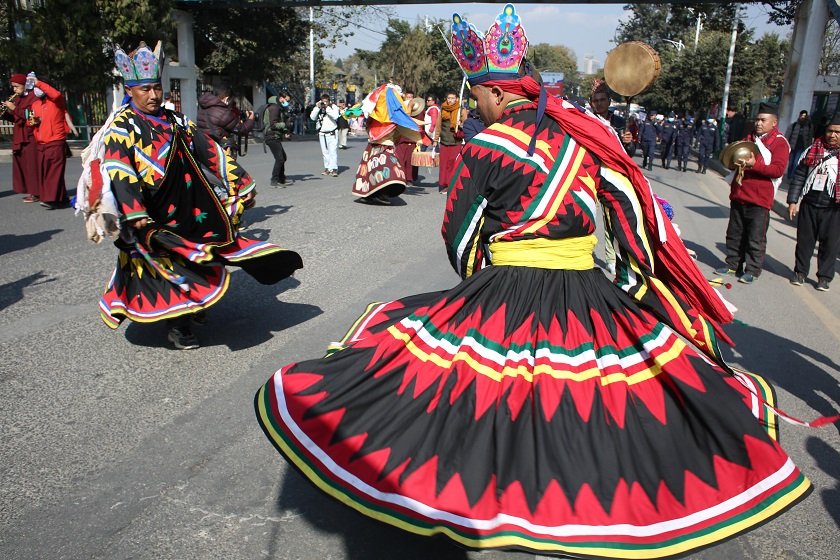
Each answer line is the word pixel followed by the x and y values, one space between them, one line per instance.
pixel 325 114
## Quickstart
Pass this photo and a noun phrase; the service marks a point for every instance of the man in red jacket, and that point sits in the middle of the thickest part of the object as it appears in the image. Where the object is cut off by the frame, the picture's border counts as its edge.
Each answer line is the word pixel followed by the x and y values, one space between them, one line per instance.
pixel 752 198
pixel 49 110
pixel 26 177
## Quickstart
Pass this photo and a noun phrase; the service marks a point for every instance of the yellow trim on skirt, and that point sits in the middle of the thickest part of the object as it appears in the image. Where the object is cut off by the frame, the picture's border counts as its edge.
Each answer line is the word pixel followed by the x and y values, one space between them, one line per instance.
pixel 573 253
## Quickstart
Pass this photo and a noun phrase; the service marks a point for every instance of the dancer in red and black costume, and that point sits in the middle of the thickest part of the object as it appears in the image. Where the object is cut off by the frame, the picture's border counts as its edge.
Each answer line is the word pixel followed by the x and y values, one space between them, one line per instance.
pixel 537 405
pixel 178 230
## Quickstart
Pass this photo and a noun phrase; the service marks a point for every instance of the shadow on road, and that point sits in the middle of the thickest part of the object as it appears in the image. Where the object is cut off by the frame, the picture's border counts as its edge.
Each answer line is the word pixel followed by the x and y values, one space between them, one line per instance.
pixel 374 203
pixel 247 316
pixel 12 292
pixel 828 459
pixel 802 375
pixel 711 212
pixel 301 177
pixel 10 243
pixel 693 193
pixel 259 214
pixel 704 255
pixel 364 538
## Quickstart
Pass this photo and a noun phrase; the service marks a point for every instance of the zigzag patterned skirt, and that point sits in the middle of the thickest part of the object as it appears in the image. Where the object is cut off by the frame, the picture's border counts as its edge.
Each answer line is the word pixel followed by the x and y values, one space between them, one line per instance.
pixel 538 410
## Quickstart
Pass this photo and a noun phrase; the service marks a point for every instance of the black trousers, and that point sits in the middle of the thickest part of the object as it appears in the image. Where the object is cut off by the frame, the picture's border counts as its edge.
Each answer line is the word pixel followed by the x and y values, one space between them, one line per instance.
pixel 817 224
pixel 648 148
pixel 667 152
pixel 683 151
pixel 746 237
pixel 278 172
pixel 704 153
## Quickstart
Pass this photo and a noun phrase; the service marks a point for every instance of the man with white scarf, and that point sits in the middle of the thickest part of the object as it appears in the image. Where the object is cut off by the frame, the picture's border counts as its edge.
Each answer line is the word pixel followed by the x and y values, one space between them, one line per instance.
pixel 814 195
pixel 751 198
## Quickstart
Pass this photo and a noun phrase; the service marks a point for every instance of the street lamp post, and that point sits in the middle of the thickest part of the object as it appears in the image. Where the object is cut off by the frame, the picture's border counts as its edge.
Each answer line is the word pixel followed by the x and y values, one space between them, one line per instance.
pixel 728 79
pixel 700 16
pixel 676 44
pixel 312 55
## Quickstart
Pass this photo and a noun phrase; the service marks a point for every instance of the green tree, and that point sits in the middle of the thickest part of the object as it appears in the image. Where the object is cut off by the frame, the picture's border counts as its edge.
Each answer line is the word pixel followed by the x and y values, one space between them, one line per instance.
pixel 652 23
pixel 247 42
pixel 416 57
pixel 556 58
pixel 782 12
pixel 87 30
pixel 693 80
pixel 76 61
pixel 830 59
pixel 130 21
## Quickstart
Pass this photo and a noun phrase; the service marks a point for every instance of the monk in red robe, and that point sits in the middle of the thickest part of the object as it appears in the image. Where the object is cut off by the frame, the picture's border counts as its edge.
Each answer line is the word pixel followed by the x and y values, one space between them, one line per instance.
pixel 25 173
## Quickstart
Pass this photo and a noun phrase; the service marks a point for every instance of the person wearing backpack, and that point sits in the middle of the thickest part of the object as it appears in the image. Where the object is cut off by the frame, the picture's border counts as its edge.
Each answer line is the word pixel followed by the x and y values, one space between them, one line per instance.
pixel 275 130
pixel 325 114
pixel 221 120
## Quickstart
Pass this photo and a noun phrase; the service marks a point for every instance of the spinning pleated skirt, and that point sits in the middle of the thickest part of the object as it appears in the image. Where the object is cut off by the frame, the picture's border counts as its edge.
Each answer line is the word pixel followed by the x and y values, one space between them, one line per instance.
pixel 180 277
pixel 379 172
pixel 531 409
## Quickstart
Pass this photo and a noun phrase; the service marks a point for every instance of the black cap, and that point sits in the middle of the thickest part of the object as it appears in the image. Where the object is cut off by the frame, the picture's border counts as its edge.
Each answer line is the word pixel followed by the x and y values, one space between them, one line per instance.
pixel 768 109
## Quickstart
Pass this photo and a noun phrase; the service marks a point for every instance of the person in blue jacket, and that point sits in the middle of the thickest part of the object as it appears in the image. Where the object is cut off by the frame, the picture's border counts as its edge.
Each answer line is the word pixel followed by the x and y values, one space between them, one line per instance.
pixel 707 139
pixel 685 136
pixel 667 139
pixel 647 137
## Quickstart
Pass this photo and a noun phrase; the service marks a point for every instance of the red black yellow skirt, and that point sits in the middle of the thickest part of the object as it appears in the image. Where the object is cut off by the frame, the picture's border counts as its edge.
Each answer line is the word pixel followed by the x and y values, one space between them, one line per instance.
pixel 531 409
pixel 379 172
pixel 185 277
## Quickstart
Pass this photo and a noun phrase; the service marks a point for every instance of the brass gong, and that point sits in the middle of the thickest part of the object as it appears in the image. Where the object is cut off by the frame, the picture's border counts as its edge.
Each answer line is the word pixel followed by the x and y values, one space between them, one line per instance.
pixel 736 151
pixel 631 68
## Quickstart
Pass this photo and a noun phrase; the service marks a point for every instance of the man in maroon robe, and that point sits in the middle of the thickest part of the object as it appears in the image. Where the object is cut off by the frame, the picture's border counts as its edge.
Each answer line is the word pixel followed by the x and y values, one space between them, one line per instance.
pixel 25 174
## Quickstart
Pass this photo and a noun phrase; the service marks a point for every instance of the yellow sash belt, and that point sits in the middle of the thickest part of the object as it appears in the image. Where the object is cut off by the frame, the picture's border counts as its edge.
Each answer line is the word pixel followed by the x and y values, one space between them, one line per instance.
pixel 573 253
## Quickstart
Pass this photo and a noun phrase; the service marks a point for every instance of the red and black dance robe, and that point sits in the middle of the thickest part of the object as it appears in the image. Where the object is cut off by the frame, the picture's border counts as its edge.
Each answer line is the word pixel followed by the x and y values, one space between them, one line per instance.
pixel 538 405
pixel 25 170
pixel 175 265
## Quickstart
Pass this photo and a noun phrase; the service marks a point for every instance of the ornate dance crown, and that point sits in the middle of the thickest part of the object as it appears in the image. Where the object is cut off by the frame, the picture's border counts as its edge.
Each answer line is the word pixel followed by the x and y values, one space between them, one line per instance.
pixel 493 56
pixel 138 68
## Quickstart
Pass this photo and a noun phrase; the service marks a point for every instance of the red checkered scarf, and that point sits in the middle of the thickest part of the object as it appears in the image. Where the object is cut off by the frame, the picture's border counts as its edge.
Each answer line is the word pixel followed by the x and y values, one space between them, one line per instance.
pixel 816 155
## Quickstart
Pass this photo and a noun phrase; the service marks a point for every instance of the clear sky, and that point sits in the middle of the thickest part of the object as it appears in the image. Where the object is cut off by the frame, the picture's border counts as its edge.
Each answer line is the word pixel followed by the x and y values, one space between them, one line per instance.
pixel 587 29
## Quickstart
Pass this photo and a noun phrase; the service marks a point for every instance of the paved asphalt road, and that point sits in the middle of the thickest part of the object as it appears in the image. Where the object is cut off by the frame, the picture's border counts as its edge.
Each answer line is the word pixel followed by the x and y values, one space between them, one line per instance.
pixel 115 446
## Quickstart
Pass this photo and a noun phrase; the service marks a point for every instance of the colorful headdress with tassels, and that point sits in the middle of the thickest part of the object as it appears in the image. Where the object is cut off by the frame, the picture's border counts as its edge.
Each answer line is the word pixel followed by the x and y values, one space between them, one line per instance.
pixel 138 68
pixel 495 55
pixel 385 110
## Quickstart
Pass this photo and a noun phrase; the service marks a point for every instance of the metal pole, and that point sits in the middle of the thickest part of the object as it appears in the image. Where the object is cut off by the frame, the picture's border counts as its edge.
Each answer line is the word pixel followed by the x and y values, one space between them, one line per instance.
pixel 697 33
pixel 311 55
pixel 728 76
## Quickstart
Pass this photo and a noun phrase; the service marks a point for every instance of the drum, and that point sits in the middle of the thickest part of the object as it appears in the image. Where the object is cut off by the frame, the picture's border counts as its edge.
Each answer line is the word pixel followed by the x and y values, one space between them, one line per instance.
pixel 425 159
pixel 631 68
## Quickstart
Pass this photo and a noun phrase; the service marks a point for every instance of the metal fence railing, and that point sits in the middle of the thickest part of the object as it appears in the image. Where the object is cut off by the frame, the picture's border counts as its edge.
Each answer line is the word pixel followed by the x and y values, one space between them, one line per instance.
pixel 88 112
